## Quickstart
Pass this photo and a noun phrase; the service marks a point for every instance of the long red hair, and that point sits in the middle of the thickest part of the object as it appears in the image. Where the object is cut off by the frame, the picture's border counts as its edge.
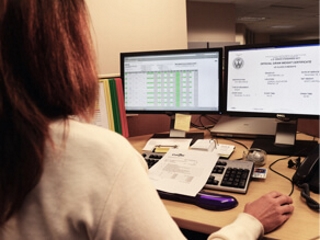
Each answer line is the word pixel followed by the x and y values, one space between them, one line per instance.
pixel 47 72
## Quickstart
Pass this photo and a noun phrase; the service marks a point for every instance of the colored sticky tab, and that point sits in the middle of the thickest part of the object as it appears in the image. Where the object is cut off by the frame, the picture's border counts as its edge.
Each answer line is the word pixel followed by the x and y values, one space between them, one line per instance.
pixel 161 149
pixel 182 122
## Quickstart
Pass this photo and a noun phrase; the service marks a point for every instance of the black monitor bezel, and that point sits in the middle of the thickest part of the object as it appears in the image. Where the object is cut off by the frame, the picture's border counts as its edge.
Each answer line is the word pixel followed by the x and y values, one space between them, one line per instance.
pixel 256 114
pixel 123 55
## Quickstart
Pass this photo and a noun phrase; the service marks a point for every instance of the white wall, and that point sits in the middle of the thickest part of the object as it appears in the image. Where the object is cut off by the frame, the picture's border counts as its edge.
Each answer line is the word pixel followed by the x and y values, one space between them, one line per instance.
pixel 135 25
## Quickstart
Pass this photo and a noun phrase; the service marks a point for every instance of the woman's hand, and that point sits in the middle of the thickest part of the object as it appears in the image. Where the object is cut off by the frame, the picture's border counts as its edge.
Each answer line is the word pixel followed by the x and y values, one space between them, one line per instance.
pixel 271 209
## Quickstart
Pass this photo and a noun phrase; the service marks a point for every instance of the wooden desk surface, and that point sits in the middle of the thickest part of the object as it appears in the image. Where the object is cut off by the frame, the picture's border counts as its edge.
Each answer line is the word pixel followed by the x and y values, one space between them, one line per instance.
pixel 303 225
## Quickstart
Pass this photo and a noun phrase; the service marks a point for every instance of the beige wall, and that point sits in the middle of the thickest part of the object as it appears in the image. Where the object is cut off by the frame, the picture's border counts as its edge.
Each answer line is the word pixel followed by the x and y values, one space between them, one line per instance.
pixel 139 25
pixel 126 25
pixel 211 22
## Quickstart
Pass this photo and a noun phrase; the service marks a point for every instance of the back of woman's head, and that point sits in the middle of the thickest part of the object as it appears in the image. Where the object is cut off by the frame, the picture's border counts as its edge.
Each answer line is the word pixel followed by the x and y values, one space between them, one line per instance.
pixel 46 72
pixel 46 57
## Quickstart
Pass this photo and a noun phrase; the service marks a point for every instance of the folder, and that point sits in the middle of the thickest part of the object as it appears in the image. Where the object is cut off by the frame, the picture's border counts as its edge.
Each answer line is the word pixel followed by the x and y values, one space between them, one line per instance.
pixel 115 106
pixel 110 110
pixel 101 117
pixel 108 104
pixel 122 111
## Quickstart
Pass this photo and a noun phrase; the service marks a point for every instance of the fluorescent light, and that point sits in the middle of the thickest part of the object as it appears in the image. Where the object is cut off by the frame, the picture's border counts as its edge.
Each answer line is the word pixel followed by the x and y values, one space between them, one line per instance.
pixel 282 26
pixel 251 19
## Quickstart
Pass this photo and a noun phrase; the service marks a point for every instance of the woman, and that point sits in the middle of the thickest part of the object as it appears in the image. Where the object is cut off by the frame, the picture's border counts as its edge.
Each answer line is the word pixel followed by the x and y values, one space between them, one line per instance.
pixel 63 179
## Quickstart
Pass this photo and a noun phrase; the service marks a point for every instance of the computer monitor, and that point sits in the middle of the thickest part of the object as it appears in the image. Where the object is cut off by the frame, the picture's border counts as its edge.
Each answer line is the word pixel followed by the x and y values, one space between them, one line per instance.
pixel 281 81
pixel 172 81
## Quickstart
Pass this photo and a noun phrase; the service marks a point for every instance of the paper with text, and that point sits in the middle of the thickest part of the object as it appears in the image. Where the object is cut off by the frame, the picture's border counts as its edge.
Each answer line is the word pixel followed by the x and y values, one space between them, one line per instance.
pixel 183 171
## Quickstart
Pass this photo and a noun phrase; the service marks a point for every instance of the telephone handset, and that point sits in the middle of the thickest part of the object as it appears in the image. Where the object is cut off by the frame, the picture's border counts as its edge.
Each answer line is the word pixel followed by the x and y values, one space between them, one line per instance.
pixel 307 177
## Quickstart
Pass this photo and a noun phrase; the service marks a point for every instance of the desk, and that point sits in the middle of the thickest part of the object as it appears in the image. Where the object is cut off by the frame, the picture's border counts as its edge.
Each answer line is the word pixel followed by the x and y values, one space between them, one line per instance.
pixel 303 225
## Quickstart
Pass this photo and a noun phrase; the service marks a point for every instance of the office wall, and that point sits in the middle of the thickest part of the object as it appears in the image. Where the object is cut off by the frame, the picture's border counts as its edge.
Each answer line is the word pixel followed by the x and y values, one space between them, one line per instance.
pixel 126 25
pixel 216 22
pixel 309 126
pixel 211 22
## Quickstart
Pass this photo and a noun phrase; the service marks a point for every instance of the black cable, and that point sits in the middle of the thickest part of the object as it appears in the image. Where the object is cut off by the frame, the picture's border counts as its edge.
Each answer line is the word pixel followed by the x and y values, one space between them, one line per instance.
pixel 285 158
pixel 212 119
pixel 199 119
pixel 305 193
pixel 240 143
pixel 304 187
pixel 290 180
pixel 232 140
pixel 201 125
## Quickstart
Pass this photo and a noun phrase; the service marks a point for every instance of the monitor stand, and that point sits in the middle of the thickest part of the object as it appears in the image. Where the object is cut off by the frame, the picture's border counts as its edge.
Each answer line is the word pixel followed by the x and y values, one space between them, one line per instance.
pixel 179 134
pixel 286 134
pixel 284 142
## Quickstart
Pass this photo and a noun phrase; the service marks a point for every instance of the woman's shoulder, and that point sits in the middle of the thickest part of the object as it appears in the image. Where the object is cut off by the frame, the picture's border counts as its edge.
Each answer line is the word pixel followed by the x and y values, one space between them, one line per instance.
pixel 86 131
pixel 76 141
pixel 87 136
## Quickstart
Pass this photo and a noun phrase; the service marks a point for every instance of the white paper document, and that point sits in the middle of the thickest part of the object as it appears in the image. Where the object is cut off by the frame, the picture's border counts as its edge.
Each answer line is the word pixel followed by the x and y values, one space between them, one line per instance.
pixel 204 144
pixel 223 150
pixel 183 171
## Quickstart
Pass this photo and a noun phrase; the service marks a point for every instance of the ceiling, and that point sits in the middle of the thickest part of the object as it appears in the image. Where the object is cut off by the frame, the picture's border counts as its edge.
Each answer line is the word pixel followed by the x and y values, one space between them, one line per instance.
pixel 281 19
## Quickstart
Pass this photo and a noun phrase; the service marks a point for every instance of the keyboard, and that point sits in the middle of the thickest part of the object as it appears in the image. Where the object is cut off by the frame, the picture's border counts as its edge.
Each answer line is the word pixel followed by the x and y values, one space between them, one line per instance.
pixel 227 175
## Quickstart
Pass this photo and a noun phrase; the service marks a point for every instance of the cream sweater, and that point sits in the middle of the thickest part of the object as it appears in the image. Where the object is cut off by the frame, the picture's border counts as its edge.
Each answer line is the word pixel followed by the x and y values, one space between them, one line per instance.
pixel 95 186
